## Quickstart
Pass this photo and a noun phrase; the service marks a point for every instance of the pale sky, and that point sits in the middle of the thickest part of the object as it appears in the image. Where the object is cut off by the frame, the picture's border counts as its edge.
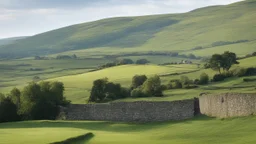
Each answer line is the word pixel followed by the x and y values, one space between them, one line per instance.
pixel 30 17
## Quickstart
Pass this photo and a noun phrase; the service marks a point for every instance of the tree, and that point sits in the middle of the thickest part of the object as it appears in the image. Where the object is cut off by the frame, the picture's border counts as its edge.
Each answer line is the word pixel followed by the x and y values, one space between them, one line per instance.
pixel 185 80
pixel 74 56
pixel 15 96
pixel 175 84
pixel 102 90
pixel 98 90
pixel 152 86
pixel 125 61
pixel 224 61
pixel 8 110
pixel 216 62
pixel 142 61
pixel 42 101
pixel 229 59
pixel 191 56
pixel 204 79
pixel 138 80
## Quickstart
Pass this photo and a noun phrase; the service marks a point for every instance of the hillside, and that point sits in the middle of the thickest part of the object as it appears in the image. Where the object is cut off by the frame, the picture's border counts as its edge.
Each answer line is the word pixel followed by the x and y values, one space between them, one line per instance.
pixel 7 41
pixel 212 29
pixel 77 87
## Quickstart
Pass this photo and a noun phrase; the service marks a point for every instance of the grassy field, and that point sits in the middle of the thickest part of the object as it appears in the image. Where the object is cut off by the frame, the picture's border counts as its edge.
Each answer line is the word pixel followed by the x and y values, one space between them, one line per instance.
pixel 169 32
pixel 17 73
pixel 200 130
pixel 78 86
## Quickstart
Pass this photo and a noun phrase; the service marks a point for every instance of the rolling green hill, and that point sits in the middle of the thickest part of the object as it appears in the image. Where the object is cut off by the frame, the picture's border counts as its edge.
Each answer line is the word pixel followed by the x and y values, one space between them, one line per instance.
pixel 7 41
pixel 219 28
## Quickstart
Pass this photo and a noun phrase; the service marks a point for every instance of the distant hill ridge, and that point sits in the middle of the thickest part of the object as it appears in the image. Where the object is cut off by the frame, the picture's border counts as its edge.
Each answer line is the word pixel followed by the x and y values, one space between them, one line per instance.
pixel 169 32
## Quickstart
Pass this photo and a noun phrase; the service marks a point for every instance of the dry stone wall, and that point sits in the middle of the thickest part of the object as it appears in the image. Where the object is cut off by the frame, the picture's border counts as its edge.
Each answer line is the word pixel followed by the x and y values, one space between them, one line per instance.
pixel 228 105
pixel 132 111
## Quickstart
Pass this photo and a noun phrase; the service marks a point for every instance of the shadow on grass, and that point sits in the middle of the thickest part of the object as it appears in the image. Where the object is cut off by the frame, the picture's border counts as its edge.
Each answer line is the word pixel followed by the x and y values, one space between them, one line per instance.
pixel 77 140
pixel 100 125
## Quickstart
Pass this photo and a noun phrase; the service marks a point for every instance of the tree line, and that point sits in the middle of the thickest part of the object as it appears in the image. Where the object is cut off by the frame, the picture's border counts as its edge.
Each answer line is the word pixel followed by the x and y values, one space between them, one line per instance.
pixel 125 61
pixel 33 102
pixel 142 86
pixel 223 62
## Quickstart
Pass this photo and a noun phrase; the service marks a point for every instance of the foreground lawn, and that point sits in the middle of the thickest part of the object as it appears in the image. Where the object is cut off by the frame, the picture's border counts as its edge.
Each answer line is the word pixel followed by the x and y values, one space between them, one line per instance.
pixel 200 130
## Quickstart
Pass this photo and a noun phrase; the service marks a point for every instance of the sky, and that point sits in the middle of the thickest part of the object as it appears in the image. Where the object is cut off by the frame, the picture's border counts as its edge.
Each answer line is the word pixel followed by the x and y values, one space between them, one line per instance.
pixel 30 17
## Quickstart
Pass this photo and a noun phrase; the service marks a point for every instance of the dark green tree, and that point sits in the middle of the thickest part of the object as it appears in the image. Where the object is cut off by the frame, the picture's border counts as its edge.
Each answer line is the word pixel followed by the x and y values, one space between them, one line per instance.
pixel 216 62
pixel 42 101
pixel 142 61
pixel 125 61
pixel 229 59
pixel 204 79
pixel 138 80
pixel 98 90
pixel 8 110
pixel 152 86
pixel 15 96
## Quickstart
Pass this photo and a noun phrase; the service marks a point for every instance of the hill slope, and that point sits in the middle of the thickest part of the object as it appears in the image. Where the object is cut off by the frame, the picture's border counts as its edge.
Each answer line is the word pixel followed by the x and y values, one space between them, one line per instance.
pixel 7 41
pixel 173 32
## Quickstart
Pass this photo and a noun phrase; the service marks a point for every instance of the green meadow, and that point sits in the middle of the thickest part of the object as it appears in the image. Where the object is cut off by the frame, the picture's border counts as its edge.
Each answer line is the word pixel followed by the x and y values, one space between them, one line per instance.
pixel 200 130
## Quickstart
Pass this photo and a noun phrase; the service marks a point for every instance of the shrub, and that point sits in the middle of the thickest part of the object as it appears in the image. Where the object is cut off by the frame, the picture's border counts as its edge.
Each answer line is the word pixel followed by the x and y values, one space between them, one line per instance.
pixel 250 71
pixel 239 72
pixel 136 93
pixel 176 84
pixel 190 86
pixel 218 77
pixel 142 61
pixel 249 80
pixel 138 80
pixel 125 62
pixel 228 74
pixel 164 87
pixel 196 81
pixel 185 80
pixel 152 86
pixel 204 79
pixel 244 72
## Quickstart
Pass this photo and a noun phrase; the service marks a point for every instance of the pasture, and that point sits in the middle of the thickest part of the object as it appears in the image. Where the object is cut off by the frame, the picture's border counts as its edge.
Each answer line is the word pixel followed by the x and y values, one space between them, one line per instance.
pixel 200 130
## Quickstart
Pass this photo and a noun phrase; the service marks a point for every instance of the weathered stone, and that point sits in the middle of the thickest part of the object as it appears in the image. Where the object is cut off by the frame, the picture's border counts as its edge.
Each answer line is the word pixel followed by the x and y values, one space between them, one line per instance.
pixel 132 111
pixel 228 105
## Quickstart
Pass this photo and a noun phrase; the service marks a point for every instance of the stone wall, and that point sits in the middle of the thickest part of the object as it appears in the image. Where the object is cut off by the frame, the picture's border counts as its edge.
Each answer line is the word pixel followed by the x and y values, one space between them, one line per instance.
pixel 228 105
pixel 132 111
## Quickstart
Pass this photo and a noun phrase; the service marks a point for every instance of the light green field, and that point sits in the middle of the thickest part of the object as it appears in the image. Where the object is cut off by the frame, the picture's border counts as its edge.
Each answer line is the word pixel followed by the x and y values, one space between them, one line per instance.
pixel 200 130
pixel 17 73
pixel 78 86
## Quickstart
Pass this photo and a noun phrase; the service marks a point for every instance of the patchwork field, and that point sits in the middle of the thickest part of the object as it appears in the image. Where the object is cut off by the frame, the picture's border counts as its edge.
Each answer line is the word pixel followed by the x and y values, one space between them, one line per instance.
pixel 200 130
pixel 78 86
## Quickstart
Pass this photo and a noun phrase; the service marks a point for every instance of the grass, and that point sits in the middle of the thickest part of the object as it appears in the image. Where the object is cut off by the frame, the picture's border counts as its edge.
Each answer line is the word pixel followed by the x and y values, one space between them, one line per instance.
pixel 199 130
pixel 17 73
pixel 169 32
pixel 157 59
pixel 78 86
